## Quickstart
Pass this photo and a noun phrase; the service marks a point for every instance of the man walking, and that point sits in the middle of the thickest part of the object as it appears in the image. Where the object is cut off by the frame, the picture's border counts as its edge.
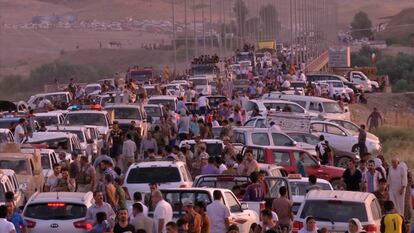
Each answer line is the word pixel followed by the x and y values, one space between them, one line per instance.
pixel 397 180
pixel 162 213
pixel 282 206
pixel 218 214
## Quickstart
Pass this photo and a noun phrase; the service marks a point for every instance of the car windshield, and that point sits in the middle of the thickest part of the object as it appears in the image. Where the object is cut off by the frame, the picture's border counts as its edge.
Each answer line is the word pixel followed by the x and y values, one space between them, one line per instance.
pixel 336 211
pixel 44 159
pixel 126 113
pixel 86 119
pixel 199 82
pixel 48 120
pixel 61 144
pixel 78 133
pixel 3 138
pixel 2 194
pixel 163 102
pixel 91 89
pixel 299 188
pixel 55 211
pixel 332 107
pixel 306 138
pixel 153 174
pixel 337 84
pixel 18 166
pixel 153 111
pixel 6 124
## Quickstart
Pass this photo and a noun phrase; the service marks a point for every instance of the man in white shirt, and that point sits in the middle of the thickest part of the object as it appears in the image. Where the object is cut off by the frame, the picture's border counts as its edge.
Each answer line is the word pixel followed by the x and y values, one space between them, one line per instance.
pixel 52 179
pixel 129 148
pixel 19 132
pixel 218 214
pixel 285 85
pixel 202 104
pixel 99 206
pixel 138 199
pixel 5 226
pixel 162 213
pixel 274 126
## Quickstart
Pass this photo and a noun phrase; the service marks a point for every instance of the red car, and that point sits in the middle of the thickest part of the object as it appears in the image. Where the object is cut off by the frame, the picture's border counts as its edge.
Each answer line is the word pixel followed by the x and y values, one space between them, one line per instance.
pixel 287 157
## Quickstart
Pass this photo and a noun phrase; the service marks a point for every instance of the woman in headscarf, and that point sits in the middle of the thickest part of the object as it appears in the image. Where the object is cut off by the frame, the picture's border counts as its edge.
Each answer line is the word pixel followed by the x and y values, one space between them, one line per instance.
pixel 310 226
pixel 355 226
pixel 380 168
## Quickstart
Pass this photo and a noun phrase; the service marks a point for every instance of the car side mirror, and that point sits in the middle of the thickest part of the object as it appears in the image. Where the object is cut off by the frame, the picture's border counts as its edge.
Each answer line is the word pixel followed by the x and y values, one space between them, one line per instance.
pixel 244 206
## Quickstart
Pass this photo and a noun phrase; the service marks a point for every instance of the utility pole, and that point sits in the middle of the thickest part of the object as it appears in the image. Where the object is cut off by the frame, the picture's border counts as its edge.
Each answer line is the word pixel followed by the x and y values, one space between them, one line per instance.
pixel 174 36
pixel 195 30
pixel 211 26
pixel 185 32
pixel 203 28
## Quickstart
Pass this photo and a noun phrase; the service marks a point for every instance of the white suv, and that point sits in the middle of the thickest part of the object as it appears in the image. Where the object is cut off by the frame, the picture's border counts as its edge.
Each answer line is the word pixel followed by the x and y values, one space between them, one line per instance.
pixel 167 174
pixel 58 212
pixel 333 209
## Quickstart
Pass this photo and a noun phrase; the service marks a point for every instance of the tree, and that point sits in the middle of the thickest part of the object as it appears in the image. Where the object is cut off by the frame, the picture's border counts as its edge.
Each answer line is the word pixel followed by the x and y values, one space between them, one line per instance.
pixel 270 21
pixel 361 25
pixel 240 10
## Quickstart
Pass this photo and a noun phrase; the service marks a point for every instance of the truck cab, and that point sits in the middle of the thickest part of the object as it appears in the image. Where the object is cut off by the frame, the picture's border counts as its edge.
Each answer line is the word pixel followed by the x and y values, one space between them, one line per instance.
pixel 360 78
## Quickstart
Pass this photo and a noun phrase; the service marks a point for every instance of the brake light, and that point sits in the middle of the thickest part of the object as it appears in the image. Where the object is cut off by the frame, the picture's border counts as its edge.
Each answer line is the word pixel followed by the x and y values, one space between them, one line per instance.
pixel 127 196
pixel 370 228
pixel 297 226
pixel 183 186
pixel 83 225
pixel 56 204
pixel 30 224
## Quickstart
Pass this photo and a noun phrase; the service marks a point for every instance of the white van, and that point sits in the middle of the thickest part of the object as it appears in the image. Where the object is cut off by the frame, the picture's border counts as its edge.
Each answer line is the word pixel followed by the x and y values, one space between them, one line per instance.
pixel 275 105
pixel 326 108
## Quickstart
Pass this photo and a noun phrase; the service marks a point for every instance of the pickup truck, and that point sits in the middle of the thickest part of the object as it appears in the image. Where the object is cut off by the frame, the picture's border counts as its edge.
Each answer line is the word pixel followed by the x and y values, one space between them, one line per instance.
pixel 240 213
pixel 287 157
pixel 229 181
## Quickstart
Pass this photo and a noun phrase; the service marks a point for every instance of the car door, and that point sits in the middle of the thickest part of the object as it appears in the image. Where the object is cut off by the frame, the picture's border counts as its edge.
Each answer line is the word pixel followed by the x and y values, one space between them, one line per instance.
pixel 236 211
pixel 274 184
pixel 337 138
pixel 312 166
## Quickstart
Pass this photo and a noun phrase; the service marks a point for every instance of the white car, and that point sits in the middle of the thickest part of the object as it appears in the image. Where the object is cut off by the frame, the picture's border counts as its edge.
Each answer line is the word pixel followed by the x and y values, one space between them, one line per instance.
pixel 299 185
pixel 58 212
pixel 85 140
pixel 100 119
pixel 341 138
pixel 351 126
pixel 164 100
pixel 268 137
pixel 9 183
pixel 93 89
pixel 333 209
pixel 50 118
pixel 202 84
pixel 167 174
pixel 6 136
pixel 264 104
pixel 48 159
pixel 60 97
pixel 154 112
pixel 125 113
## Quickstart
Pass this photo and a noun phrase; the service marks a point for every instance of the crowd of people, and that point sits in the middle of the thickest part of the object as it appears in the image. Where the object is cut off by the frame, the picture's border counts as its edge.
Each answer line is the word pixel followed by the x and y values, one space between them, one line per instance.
pixel 104 175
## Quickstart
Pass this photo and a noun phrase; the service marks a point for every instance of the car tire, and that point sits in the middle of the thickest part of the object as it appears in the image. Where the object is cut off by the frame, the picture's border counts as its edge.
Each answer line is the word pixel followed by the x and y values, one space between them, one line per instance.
pixel 343 162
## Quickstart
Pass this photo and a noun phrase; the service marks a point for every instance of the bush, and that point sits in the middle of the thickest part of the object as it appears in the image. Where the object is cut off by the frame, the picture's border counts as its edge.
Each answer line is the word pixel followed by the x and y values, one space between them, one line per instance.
pixel 400 134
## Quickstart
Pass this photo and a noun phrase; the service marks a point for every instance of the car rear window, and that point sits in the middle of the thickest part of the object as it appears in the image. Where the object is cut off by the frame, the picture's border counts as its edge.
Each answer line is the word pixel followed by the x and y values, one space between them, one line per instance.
pixel 55 211
pixel 336 211
pixel 299 188
pixel 153 174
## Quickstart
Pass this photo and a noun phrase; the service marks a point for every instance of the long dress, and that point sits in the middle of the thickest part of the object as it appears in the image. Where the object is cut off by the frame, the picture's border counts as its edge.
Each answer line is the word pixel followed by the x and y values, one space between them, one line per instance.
pixel 397 178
